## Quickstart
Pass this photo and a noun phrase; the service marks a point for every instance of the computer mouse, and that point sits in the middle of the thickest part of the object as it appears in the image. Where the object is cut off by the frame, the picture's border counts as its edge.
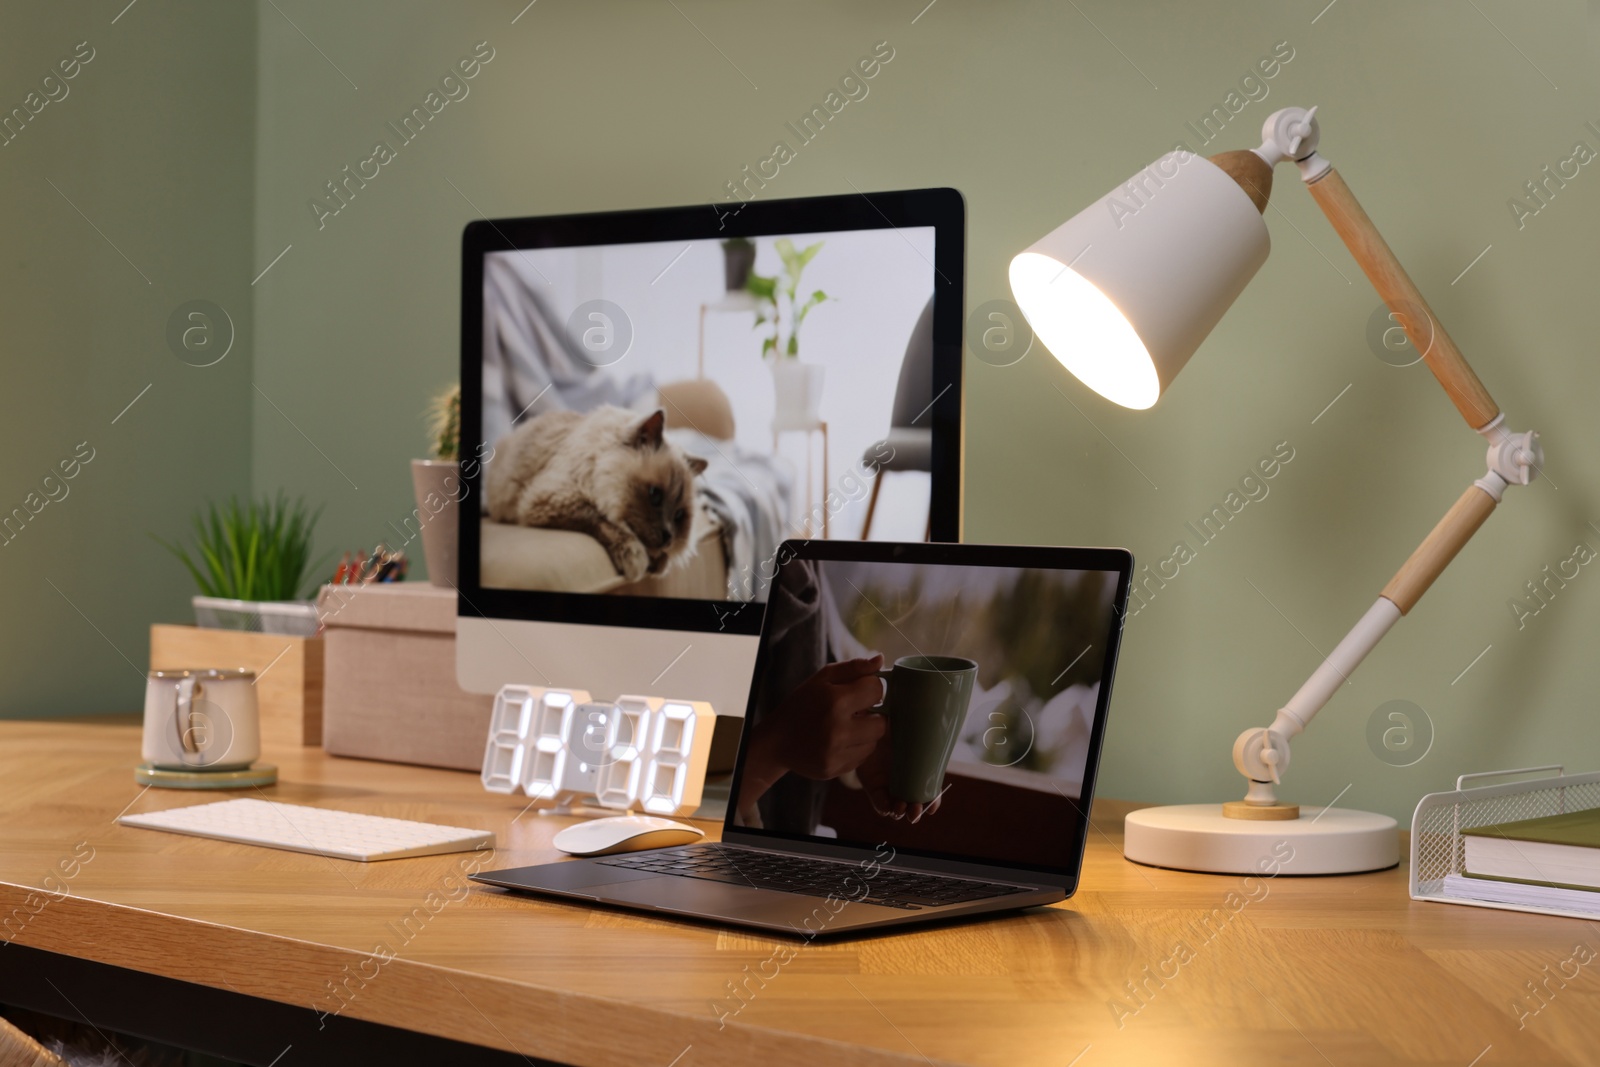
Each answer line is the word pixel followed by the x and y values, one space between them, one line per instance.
pixel 624 833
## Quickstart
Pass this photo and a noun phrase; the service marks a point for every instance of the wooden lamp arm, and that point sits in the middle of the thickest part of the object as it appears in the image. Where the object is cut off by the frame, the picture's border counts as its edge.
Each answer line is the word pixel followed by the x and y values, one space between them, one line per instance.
pixel 1439 548
pixel 1512 458
pixel 1405 300
pixel 1262 755
pixel 1449 366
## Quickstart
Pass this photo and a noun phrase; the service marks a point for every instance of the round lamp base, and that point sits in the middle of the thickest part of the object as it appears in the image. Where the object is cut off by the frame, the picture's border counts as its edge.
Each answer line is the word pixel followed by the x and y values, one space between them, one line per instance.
pixel 1198 837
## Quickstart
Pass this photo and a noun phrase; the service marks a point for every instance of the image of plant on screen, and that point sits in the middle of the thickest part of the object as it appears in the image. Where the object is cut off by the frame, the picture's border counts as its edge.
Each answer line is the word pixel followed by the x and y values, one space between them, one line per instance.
pixel 778 298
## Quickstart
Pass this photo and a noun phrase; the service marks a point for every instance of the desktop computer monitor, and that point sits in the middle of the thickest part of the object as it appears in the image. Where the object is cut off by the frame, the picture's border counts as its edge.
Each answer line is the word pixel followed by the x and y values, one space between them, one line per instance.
pixel 652 401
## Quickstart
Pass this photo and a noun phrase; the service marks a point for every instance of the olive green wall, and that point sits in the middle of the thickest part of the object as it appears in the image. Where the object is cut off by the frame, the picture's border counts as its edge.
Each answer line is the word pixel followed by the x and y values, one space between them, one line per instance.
pixel 126 196
pixel 1437 113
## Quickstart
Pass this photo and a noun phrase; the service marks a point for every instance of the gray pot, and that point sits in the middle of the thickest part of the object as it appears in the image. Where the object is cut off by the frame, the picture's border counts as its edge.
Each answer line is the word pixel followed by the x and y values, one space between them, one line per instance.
pixel 438 488
pixel 738 257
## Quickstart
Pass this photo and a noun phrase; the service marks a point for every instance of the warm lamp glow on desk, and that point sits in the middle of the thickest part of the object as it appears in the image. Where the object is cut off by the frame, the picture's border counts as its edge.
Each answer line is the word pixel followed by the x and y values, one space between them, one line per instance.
pixel 1122 294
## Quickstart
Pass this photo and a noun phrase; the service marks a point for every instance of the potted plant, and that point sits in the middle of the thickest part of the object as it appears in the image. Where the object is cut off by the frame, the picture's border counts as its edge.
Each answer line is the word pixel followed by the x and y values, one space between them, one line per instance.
pixel 253 565
pixel 437 484
pixel 797 385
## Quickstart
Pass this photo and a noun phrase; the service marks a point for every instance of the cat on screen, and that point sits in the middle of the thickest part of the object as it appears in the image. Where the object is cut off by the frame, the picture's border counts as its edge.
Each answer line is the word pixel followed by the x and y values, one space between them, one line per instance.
pixel 608 473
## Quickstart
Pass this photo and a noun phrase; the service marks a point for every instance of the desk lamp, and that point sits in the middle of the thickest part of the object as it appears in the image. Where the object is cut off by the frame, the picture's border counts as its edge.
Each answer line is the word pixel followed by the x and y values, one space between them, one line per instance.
pixel 1122 294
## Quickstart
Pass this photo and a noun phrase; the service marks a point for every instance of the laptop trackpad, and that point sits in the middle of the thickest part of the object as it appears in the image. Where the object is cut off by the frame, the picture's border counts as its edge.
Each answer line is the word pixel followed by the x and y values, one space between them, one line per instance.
pixel 561 877
pixel 687 894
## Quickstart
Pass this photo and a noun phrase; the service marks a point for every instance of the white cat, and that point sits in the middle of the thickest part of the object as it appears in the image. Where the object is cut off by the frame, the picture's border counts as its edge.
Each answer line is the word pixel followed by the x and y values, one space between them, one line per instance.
pixel 608 473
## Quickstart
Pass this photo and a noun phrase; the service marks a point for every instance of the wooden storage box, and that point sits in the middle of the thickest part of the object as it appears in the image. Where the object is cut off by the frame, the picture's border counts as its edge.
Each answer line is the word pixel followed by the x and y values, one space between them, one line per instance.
pixel 288 673
pixel 389 689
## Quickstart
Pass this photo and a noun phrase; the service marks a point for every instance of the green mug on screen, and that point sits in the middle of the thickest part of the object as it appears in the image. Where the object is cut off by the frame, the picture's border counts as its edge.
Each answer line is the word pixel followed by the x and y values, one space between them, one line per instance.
pixel 925 699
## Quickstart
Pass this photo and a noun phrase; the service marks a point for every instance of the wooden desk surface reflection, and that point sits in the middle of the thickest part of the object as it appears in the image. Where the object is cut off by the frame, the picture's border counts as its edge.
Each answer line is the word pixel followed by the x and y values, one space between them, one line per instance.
pixel 1142 966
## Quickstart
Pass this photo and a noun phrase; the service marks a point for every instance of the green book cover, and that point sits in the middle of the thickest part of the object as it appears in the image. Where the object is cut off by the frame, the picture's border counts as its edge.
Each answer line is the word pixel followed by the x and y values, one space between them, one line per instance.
pixel 1581 828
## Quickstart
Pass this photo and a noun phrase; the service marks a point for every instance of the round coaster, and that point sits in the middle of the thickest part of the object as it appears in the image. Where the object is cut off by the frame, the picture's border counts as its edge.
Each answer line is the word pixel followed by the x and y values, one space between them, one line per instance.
pixel 243 778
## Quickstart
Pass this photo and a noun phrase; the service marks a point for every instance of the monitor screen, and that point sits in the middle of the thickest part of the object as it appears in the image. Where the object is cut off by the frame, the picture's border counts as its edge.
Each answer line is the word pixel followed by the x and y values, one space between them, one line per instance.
pixel 948 709
pixel 658 399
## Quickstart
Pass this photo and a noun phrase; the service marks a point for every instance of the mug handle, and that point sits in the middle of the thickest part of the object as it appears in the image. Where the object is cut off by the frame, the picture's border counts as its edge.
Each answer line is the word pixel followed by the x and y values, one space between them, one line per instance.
pixel 183 715
pixel 878 708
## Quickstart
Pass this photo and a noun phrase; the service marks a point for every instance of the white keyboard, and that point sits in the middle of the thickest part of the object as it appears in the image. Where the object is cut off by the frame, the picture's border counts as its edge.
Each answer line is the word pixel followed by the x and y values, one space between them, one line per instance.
pixel 343 835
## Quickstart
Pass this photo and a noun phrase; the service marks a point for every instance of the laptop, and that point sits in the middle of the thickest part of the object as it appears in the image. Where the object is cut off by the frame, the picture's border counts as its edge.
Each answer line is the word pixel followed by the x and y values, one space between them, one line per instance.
pixel 920 744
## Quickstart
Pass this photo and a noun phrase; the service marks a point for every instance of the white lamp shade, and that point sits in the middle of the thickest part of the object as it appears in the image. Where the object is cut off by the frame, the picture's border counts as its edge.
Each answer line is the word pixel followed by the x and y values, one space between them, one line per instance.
pixel 1124 292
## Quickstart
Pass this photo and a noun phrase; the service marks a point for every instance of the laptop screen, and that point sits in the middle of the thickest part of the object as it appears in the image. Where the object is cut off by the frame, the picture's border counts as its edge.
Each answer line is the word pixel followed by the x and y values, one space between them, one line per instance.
pixel 945 700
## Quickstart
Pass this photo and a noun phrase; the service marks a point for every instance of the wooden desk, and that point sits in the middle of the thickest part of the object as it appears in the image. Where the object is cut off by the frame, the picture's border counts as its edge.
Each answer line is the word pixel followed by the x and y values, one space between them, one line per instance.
pixel 1317 971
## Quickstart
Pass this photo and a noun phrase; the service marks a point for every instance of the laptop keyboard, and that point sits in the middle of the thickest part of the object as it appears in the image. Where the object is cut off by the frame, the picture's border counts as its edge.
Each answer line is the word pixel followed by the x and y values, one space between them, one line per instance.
pixel 907 890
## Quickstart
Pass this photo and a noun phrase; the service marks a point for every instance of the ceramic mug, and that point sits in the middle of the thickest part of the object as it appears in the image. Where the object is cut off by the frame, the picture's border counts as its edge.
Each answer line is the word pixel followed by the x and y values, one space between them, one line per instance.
pixel 201 720
pixel 925 699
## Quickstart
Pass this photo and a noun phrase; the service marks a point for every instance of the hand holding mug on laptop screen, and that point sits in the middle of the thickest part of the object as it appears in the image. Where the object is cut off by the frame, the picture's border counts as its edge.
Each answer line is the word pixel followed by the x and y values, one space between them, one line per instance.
pixel 825 728
pixel 925 699
pixel 897 734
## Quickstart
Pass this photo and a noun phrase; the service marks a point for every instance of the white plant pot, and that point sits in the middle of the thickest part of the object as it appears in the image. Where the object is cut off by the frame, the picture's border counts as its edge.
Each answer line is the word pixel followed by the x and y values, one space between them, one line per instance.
pixel 437 484
pixel 293 618
pixel 796 393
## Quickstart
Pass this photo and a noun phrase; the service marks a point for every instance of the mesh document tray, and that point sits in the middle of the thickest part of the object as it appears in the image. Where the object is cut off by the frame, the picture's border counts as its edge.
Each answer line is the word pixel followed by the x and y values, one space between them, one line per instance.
pixel 1437 854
